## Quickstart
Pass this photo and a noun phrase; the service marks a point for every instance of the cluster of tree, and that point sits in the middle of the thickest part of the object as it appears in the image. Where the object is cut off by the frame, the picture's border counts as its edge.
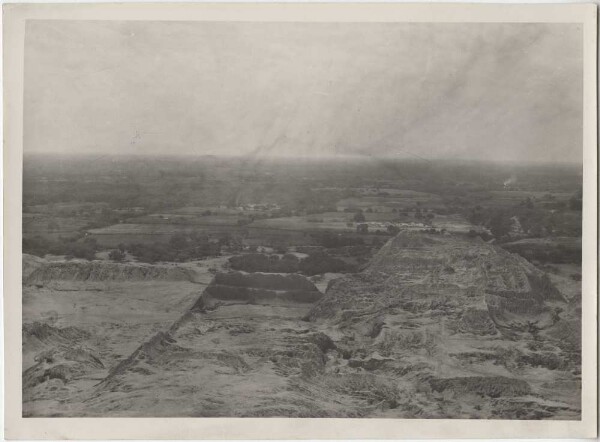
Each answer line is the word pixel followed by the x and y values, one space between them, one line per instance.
pixel 534 221
pixel 245 221
pixel 315 263
pixel 574 203
pixel 359 217
pixel 321 209
pixel 483 235
pixel 362 228
pixel 260 262
pixel 181 247
pixel 106 217
pixel 527 202
pixel 421 215
pixel 318 263
pixel 118 255
pixel 74 247
pixel 545 253
pixel 498 221
pixel 391 229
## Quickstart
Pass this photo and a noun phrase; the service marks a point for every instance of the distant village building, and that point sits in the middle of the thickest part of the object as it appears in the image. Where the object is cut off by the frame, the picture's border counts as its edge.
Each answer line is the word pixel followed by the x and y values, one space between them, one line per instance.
pixel 259 207
pixel 362 228
pixel 411 225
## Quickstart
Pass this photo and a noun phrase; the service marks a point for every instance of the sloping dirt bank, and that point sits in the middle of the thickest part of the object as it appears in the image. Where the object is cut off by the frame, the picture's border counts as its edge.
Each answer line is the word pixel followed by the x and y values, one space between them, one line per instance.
pixel 76 331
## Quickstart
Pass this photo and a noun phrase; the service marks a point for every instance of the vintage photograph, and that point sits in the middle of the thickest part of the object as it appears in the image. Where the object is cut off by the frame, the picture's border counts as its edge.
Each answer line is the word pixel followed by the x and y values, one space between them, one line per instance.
pixel 302 219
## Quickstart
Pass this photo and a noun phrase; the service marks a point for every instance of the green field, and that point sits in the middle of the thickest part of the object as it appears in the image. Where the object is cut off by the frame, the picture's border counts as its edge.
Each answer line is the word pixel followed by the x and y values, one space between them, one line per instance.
pixel 400 201
pixel 51 227
pixel 170 218
pixel 514 197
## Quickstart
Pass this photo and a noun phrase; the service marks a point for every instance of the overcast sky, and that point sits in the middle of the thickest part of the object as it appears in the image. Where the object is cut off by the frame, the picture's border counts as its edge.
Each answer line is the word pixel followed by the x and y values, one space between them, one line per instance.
pixel 480 91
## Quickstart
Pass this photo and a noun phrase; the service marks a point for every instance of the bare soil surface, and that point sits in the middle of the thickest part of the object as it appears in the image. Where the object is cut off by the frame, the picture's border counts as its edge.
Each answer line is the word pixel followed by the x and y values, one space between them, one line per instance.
pixel 436 326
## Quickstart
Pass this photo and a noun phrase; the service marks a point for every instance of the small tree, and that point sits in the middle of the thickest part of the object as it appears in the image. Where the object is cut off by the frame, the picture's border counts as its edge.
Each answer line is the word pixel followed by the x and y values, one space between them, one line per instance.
pixel 362 228
pixel 529 203
pixel 359 217
pixel 178 241
pixel 392 229
pixel 476 216
pixel 116 255
pixel 500 225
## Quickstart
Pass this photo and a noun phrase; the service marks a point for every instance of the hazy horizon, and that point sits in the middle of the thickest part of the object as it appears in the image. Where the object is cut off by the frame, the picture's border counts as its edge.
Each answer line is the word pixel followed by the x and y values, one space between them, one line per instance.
pixel 482 92
pixel 322 158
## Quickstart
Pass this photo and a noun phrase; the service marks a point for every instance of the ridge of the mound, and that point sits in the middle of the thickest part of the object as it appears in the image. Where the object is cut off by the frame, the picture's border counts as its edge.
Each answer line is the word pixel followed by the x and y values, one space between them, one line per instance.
pixel 104 271
pixel 412 268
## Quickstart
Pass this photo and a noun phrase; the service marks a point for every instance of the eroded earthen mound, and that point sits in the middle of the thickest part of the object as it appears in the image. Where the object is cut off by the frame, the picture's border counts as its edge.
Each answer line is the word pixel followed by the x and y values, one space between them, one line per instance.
pixel 458 277
pixel 435 327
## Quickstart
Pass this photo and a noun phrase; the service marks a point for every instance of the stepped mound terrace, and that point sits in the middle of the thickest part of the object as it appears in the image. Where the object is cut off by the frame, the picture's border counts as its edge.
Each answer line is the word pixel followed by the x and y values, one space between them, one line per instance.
pixel 435 326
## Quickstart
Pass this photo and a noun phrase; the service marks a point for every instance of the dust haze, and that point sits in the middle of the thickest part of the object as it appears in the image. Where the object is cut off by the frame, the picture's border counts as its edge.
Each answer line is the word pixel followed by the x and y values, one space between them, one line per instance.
pixel 470 91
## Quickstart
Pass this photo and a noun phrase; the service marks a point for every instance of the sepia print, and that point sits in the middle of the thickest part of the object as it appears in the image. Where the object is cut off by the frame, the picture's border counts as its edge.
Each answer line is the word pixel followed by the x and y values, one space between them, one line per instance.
pixel 300 220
